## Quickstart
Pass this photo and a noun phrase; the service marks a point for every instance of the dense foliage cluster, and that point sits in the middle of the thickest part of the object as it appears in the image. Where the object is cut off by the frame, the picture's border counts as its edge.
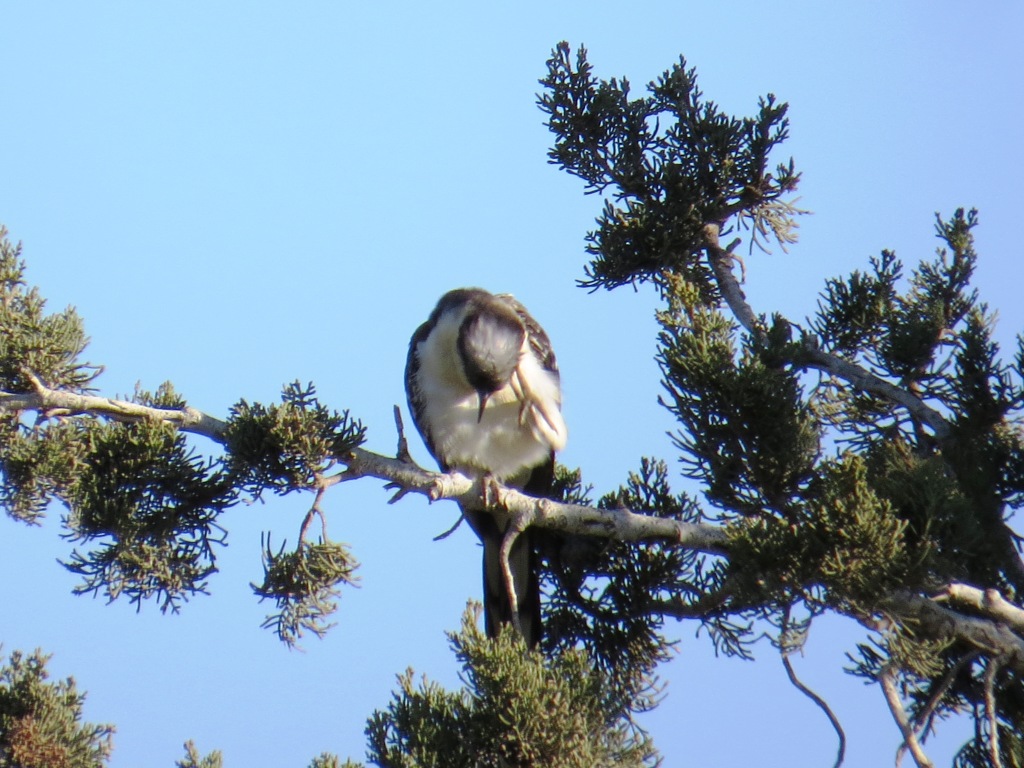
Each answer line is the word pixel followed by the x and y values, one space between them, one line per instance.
pixel 304 585
pixel 291 446
pixel 41 722
pixel 668 164
pixel 555 712
pixel 150 503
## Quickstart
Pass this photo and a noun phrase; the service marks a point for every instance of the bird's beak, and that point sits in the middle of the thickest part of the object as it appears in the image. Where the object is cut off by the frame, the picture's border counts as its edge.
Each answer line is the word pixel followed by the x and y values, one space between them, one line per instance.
pixel 484 397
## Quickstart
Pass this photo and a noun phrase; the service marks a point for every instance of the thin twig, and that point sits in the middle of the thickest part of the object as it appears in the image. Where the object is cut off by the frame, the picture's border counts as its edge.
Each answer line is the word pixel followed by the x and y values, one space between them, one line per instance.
pixel 451 530
pixel 403 444
pixel 400 490
pixel 315 510
pixel 923 720
pixel 323 524
pixel 44 399
pixel 707 603
pixel 800 686
pixel 852 373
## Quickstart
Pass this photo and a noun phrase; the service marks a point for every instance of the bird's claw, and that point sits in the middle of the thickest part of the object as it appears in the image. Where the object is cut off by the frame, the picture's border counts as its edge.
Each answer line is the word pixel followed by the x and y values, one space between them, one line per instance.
pixel 490 490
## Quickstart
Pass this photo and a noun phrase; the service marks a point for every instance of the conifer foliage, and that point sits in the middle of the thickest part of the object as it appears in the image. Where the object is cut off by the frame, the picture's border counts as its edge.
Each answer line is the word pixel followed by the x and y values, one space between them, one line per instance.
pixel 41 722
pixel 866 461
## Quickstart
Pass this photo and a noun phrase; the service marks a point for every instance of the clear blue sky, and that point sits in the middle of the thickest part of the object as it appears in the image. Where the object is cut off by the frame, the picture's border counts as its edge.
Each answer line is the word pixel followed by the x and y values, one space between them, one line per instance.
pixel 235 195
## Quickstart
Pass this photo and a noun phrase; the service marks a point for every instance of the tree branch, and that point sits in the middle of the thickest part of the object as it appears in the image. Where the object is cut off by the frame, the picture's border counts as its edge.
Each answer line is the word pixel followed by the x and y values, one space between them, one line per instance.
pixel 706 604
pixel 923 720
pixel 991 636
pixel 620 524
pixel 45 400
pixel 822 704
pixel 987 602
pixel 721 261
pixel 992 633
pixel 869 382
pixel 512 533
pixel 991 671
pixel 899 714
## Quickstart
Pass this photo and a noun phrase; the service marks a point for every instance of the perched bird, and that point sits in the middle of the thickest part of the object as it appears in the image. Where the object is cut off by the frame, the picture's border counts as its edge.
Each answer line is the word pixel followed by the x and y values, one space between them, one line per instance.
pixel 484 391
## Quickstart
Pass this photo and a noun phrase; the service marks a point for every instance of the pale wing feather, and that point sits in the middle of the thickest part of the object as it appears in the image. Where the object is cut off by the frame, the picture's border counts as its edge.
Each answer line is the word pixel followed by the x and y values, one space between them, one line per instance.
pixel 536 382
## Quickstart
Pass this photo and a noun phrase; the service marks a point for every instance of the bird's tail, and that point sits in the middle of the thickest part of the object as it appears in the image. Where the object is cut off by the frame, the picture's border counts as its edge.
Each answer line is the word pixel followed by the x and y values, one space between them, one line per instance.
pixel 523 564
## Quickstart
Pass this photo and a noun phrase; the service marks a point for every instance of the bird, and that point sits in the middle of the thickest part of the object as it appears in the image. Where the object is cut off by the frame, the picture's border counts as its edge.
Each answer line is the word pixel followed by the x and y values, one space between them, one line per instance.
pixel 484 392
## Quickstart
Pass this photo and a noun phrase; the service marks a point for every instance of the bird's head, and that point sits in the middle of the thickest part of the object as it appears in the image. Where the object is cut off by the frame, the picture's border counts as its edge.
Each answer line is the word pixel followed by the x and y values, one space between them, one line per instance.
pixel 490 345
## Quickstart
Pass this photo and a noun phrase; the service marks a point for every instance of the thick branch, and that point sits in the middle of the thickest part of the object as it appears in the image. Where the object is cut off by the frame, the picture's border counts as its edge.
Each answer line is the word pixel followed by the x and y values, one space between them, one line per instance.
pixel 987 602
pixel 992 637
pixel 620 524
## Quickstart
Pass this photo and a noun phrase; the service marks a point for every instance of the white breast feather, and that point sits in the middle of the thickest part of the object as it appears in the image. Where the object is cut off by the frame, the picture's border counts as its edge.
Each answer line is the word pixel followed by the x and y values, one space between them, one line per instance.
pixel 513 435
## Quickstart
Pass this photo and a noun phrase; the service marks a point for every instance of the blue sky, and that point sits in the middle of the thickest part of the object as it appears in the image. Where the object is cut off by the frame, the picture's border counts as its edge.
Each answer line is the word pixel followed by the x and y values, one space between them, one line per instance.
pixel 237 195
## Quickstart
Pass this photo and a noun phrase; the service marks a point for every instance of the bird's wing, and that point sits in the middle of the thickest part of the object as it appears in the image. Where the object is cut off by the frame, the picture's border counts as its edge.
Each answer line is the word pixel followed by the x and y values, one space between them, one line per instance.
pixel 536 381
pixel 414 395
